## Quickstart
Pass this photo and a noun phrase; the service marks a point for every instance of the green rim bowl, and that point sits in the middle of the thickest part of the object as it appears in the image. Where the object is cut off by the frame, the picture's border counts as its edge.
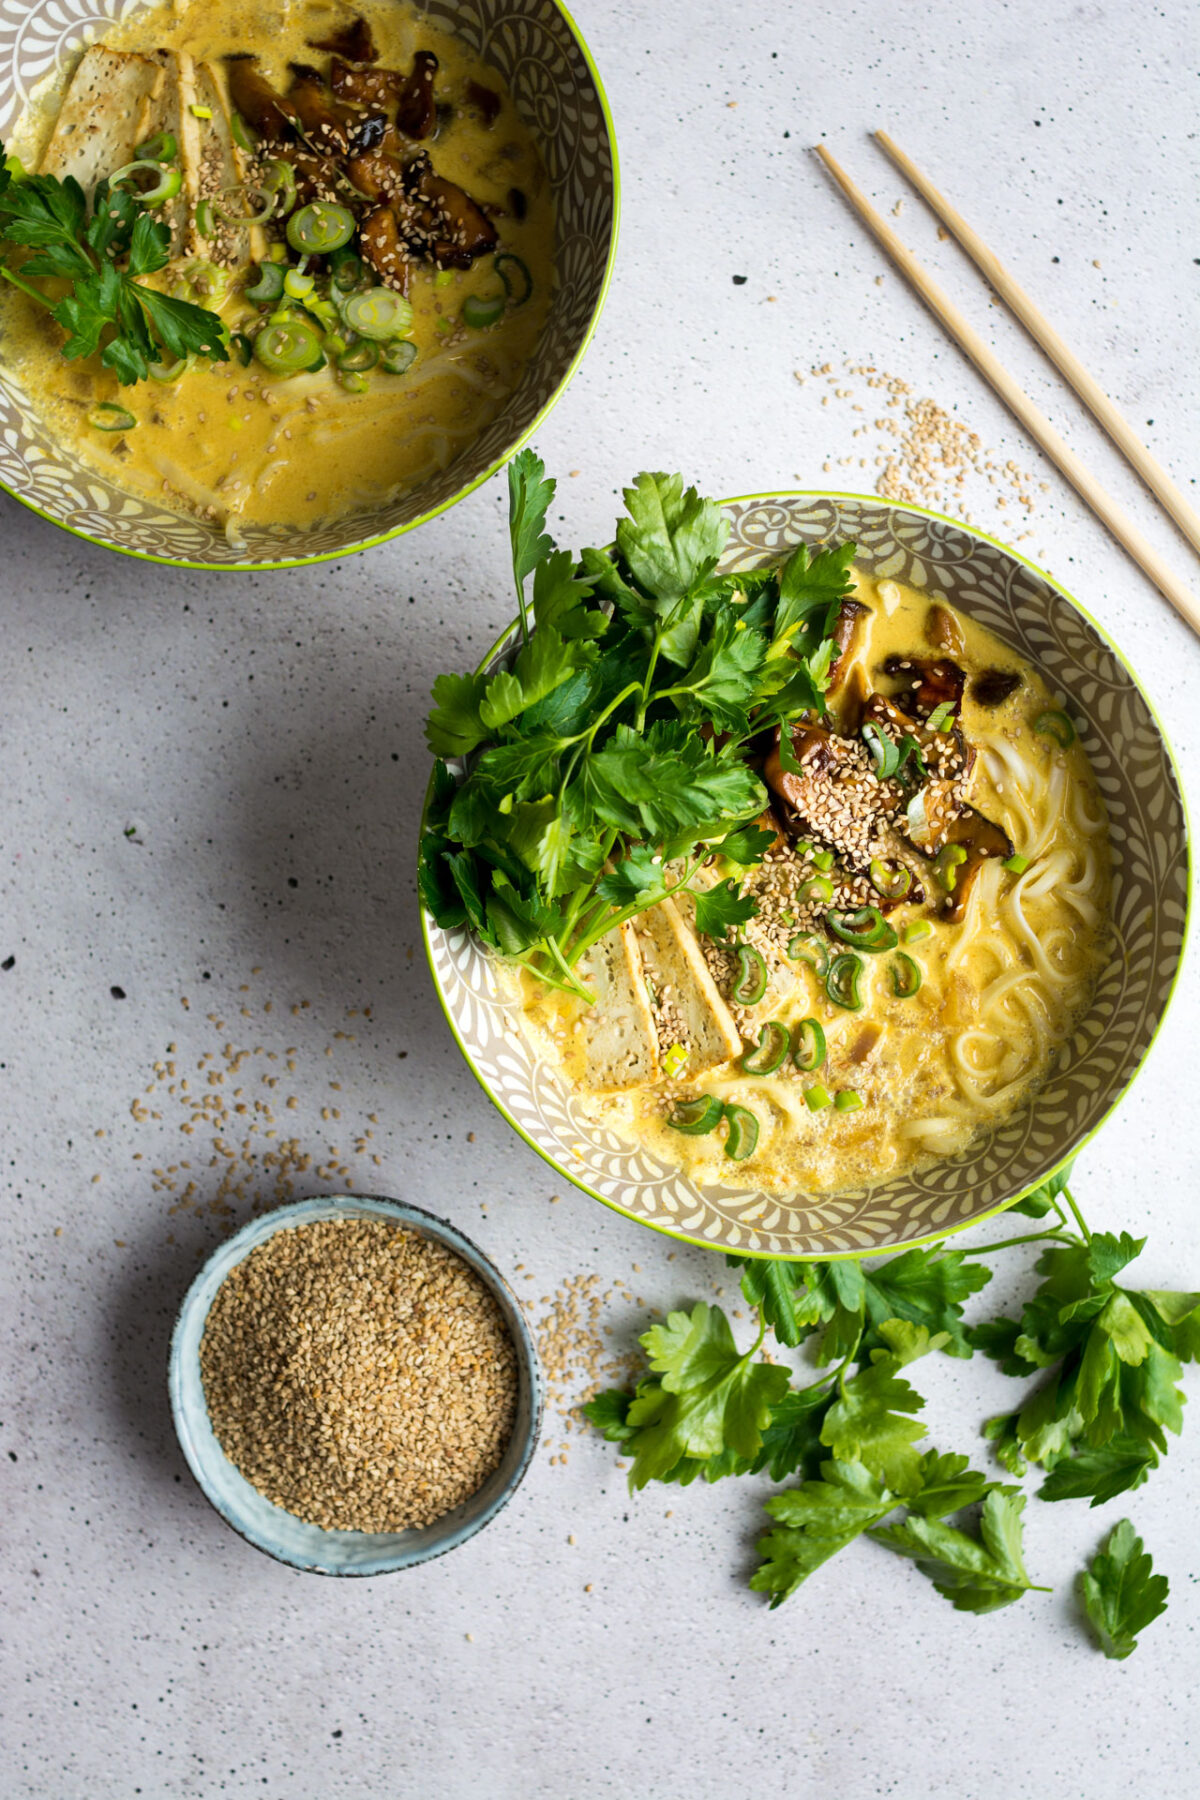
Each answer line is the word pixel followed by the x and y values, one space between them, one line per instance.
pixel 280 1533
pixel 1129 752
pixel 536 48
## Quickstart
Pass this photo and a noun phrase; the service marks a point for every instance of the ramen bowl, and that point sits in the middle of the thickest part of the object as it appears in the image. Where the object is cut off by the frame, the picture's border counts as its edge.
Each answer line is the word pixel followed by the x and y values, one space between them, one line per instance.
pixel 281 1534
pixel 534 47
pixel 1132 762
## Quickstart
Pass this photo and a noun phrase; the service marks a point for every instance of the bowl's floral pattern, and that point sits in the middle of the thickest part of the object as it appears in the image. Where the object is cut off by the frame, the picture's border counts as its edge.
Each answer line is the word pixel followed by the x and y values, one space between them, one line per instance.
pixel 532 45
pixel 1150 896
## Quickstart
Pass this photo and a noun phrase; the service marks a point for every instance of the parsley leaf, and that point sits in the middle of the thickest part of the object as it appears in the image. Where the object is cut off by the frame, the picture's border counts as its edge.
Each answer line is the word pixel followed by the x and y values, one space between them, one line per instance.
pixel 1120 1593
pixel 812 585
pixel 1121 1465
pixel 530 492
pixel 870 1420
pixel 671 538
pixel 977 1575
pixel 814 1522
pixel 722 907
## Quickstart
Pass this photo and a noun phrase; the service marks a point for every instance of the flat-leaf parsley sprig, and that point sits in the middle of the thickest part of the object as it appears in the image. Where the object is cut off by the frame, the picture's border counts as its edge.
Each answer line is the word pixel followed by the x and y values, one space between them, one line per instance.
pixel 1104 1360
pixel 100 257
pixel 596 773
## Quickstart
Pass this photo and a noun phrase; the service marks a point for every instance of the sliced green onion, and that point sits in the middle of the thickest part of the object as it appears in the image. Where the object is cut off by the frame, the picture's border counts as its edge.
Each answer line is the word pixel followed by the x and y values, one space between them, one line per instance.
pixel 819 888
pixel 106 416
pixel 920 928
pixel 268 285
pixel 817 1098
pixel 842 979
pixel 279 184
pixel 847 1100
pixel 245 348
pixel 264 211
pixel 166 372
pixel 380 313
pixel 823 860
pixel 751 983
pixel 906 975
pixel 277 253
pixel 298 286
pixel 443 278
pixel 161 149
pixel 207 279
pixel 946 865
pixel 320 227
pixel 1055 724
pixel 200 112
pixel 941 718
pixel 346 268
pixel 363 355
pixel 866 929
pixel 883 753
pixel 773 1043
pixel 518 284
pixel 1016 864
pixel 696 1117
pixel 743 1132
pixel 206 219
pixel 288 347
pixel 806 948
pixel 165 188
pixel 674 1061
pixel 910 751
pixel 804 846
pixel 354 381
pixel 892 883
pixel 917 818
pixel 479 311
pixel 808 1052
pixel 399 356
pixel 240 132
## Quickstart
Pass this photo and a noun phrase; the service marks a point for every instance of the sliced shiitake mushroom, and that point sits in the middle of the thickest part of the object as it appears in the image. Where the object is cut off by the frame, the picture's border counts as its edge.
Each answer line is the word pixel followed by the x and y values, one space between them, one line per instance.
pixel 310 99
pixel 266 112
pixel 351 41
pixel 416 108
pixel 385 250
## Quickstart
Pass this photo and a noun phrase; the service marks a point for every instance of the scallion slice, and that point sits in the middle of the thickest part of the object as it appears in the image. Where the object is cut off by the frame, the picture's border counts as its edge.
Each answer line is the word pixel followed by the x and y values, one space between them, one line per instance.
pixel 941 718
pixel 1016 864
pixel 823 860
pixel 165 187
pixel 244 348
pixel 817 1098
pixel 696 1117
pixel 240 132
pixel 806 948
pixel 751 983
pixel 107 416
pixel 320 227
pixel 769 1052
pixel 842 981
pixel 920 928
pixel 163 148
pixel 289 346
pixel 398 356
pixel 818 888
pixel 884 754
pixel 167 372
pixel 380 313
pixel 946 865
pixel 479 310
pixel 808 1052
pixel 518 282
pixel 906 974
pixel 743 1132
pixel 362 355
pixel 866 929
pixel 268 285
pixel 1053 723
pixel 675 1061
pixel 893 883
pixel 847 1100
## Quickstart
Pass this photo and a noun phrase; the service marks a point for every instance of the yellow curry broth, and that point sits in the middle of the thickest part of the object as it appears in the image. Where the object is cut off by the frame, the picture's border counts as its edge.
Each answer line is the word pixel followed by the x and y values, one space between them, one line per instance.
pixel 234 443
pixel 896 1054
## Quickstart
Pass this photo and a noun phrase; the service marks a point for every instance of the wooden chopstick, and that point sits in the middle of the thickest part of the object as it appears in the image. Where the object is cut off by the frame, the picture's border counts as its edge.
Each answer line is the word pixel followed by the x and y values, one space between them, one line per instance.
pixel 1018 402
pixel 1061 355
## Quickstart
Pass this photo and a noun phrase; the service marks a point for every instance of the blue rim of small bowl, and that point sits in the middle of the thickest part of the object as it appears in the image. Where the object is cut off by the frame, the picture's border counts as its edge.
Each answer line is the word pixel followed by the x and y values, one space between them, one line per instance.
pixel 270 1526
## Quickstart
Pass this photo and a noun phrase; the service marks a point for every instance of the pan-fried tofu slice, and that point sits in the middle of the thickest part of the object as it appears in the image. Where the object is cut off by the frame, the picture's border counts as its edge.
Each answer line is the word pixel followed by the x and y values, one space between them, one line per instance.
pixel 103 115
pixel 689 1009
pixel 212 163
pixel 622 1045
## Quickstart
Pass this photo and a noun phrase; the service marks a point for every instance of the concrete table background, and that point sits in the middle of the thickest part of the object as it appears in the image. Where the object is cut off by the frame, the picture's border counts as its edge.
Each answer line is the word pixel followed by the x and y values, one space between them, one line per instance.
pixel 262 737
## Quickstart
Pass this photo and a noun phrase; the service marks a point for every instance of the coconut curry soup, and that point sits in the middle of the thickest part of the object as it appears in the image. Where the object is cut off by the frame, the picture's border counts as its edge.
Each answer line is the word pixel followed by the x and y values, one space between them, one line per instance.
pixel 932 915
pixel 356 200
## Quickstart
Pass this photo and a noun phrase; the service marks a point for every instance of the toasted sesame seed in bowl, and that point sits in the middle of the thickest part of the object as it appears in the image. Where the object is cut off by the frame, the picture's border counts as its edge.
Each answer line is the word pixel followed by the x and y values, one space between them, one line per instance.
pixel 354 1385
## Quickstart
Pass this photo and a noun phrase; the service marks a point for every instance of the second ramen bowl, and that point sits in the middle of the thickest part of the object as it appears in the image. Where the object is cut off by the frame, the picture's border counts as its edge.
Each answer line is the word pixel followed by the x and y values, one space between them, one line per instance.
pixel 1132 761
pixel 534 46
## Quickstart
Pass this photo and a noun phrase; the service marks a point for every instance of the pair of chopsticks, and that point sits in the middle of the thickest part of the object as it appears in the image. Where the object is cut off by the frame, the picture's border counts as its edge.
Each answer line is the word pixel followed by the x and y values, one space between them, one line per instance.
pixel 1018 402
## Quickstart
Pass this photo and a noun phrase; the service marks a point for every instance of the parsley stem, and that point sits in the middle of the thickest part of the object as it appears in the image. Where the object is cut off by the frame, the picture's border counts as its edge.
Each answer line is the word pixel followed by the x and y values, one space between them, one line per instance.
pixel 575 985
pixel 1029 1237
pixel 26 287
pixel 1079 1218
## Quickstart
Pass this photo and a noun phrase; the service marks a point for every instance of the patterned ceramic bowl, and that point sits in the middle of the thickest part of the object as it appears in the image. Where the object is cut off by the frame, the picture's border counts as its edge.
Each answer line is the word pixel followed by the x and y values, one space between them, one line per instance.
pixel 1151 887
pixel 535 47
pixel 280 1533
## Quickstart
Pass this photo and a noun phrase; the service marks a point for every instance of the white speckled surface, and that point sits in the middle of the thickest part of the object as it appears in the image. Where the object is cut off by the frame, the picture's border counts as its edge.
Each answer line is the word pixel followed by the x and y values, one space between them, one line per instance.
pixel 263 737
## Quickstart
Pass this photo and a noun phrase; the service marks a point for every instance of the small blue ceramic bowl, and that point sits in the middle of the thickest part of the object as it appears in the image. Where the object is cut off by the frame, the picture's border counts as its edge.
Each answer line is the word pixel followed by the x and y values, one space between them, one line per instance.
pixel 280 1533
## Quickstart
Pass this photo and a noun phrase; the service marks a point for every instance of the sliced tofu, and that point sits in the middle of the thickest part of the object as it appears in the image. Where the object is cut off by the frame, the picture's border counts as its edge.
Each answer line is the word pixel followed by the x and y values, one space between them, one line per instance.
pixel 103 115
pixel 690 1008
pixel 622 1044
pixel 212 162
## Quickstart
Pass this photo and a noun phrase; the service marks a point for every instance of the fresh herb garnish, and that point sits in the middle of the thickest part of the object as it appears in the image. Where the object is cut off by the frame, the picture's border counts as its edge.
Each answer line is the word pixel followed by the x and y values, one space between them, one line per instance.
pixel 606 763
pixel 101 256
pixel 1106 1359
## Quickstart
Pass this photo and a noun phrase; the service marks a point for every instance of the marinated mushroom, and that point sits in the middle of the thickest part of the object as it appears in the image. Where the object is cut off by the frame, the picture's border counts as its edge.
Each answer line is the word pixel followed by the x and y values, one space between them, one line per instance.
pixel 995 686
pixel 416 109
pixel 384 249
pixel 353 42
pixel 309 98
pixel 266 112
